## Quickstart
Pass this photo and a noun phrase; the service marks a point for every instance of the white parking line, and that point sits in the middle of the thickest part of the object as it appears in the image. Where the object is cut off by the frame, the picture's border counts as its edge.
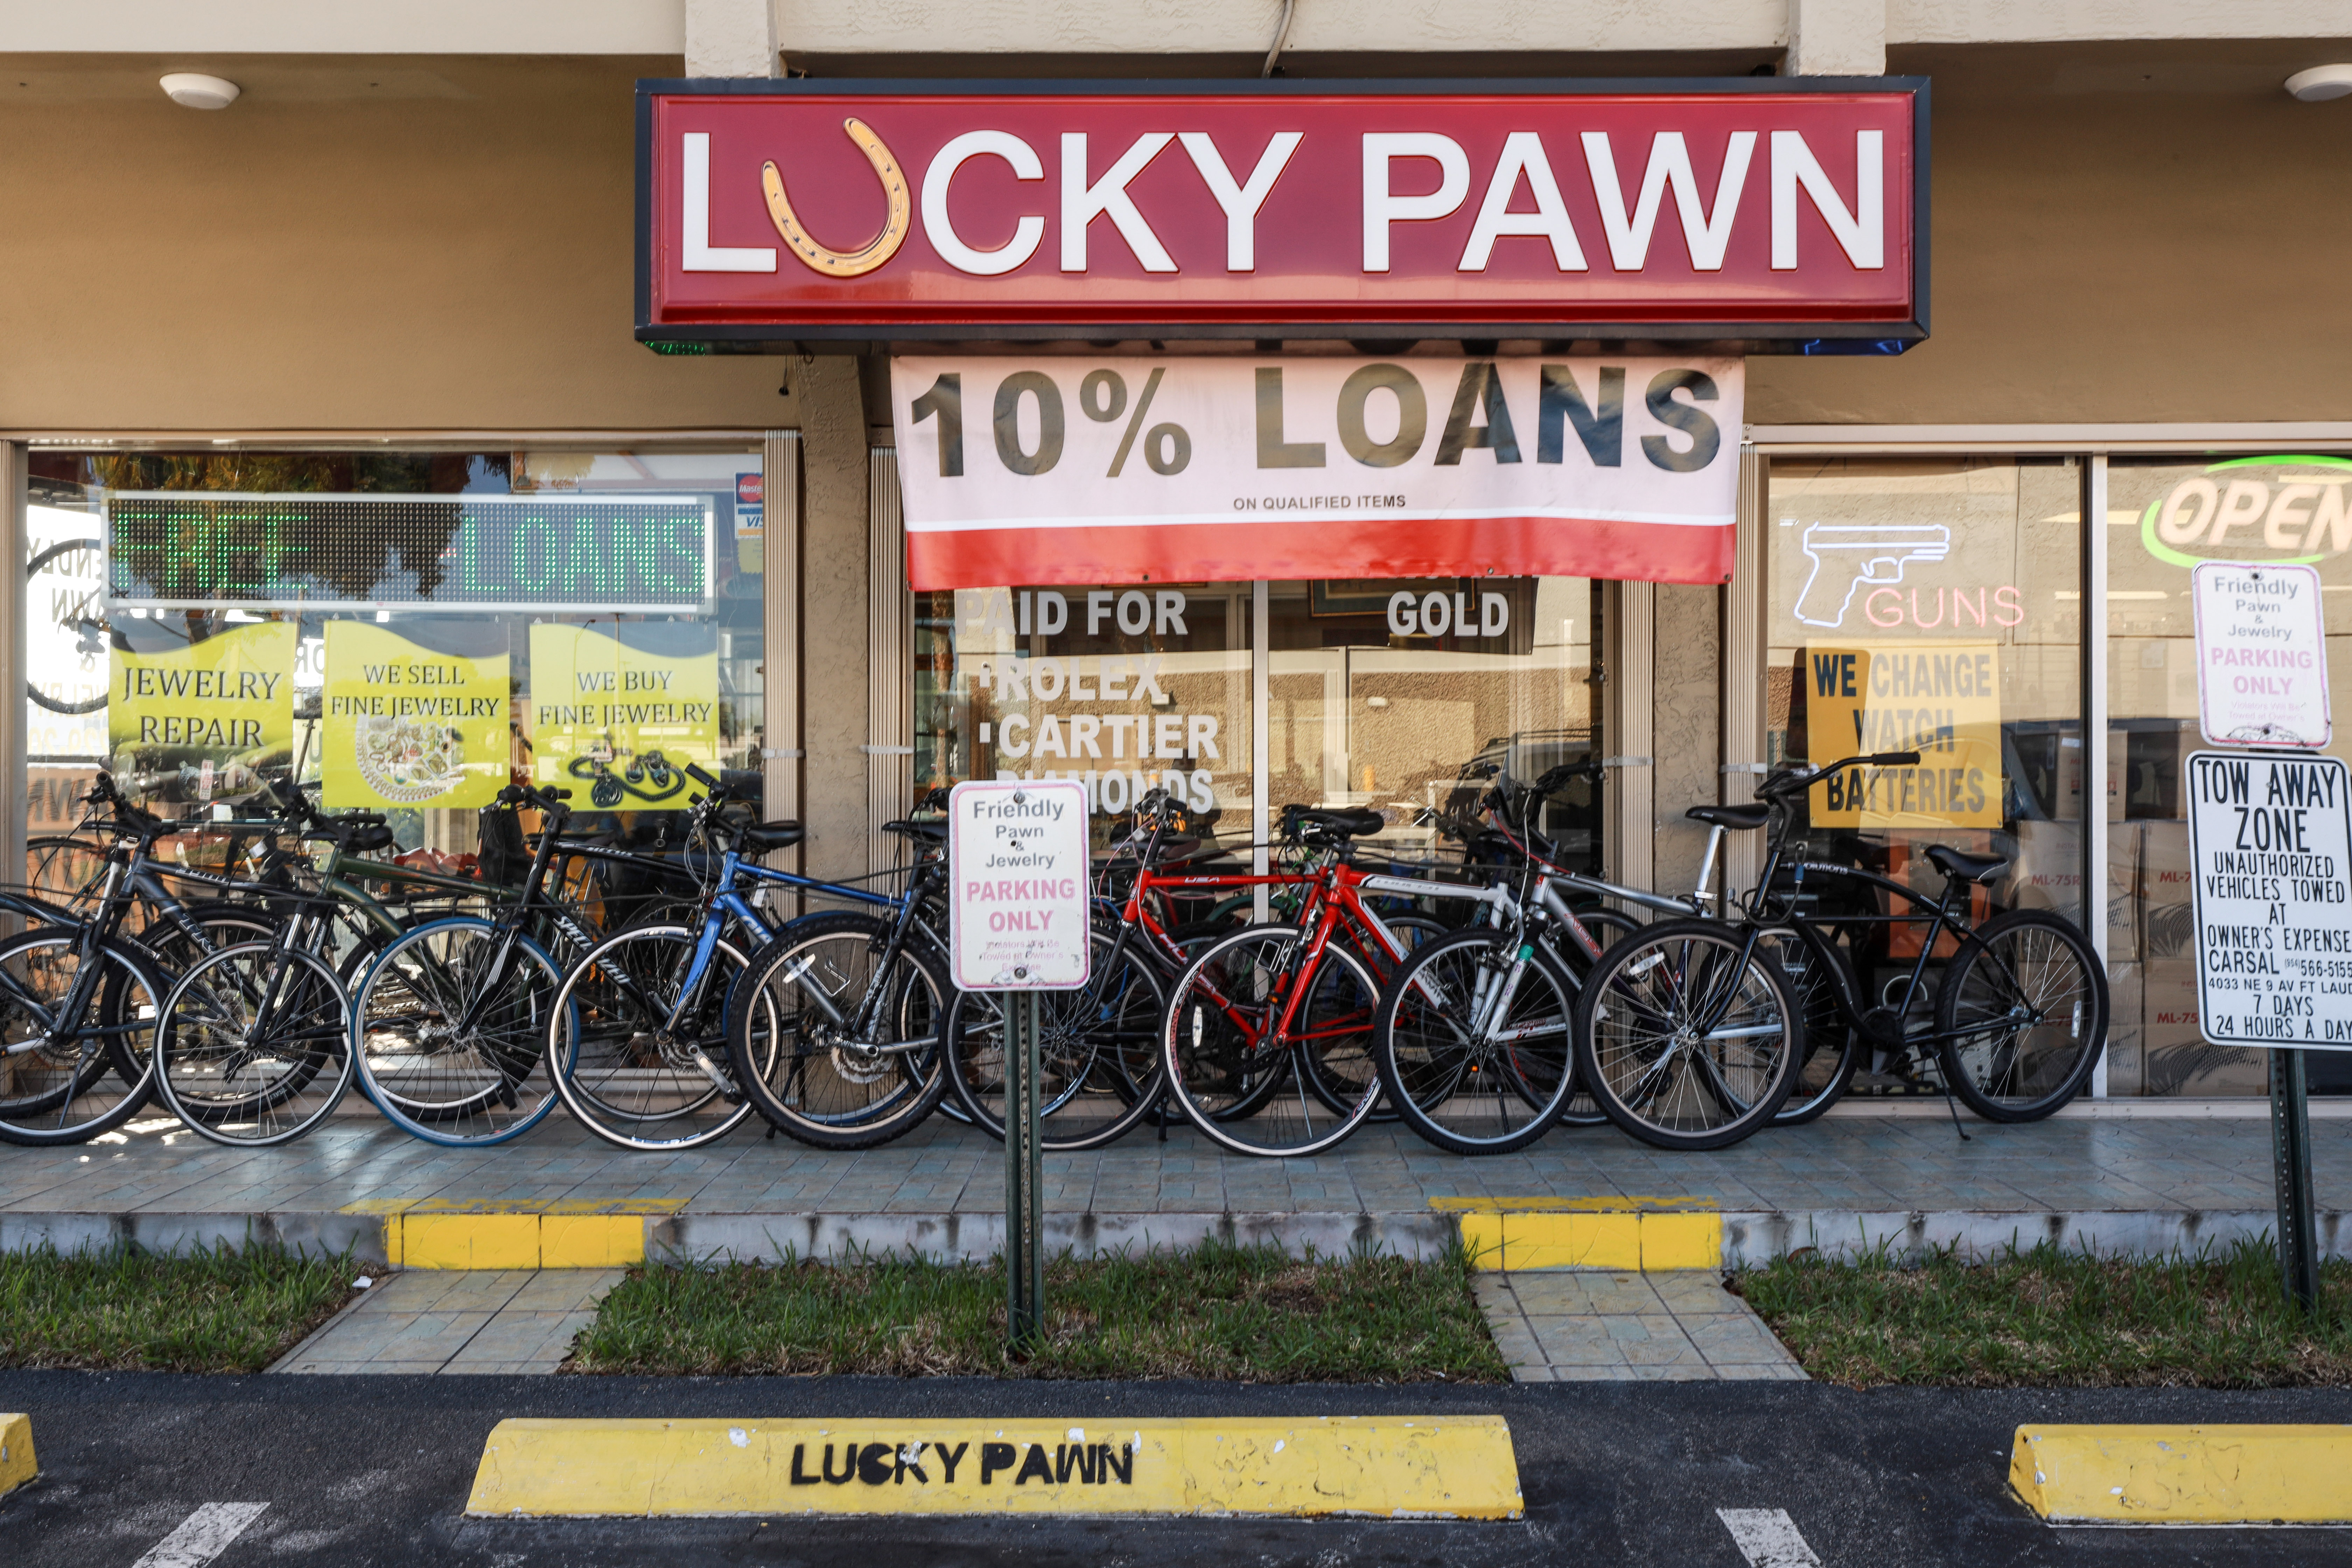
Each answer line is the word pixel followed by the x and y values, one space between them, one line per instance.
pixel 202 1535
pixel 1767 1538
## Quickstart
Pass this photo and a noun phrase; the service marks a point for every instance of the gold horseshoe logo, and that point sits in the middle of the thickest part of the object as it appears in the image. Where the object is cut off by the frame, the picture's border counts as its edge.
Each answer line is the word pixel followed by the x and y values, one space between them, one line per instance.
pixel 875 251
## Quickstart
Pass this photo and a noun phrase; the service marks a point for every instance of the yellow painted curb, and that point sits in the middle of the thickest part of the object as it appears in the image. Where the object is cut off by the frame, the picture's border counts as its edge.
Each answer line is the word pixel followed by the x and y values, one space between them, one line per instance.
pixel 424 1238
pixel 1431 1467
pixel 1635 1233
pixel 2185 1475
pixel 17 1465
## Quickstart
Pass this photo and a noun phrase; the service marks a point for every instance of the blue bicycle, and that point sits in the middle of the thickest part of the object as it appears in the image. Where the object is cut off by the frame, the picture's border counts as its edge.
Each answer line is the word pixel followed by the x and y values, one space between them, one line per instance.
pixel 666 1037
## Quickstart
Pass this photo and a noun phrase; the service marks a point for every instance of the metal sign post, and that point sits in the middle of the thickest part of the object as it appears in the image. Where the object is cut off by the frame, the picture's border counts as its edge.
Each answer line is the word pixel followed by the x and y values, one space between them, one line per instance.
pixel 2291 1162
pixel 1024 1203
pixel 2269 835
pixel 1018 867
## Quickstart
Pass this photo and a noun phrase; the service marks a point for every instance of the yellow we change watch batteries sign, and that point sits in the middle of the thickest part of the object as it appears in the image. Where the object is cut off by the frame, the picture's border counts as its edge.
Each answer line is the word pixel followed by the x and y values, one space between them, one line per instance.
pixel 415 716
pixel 1939 699
pixel 622 706
pixel 208 703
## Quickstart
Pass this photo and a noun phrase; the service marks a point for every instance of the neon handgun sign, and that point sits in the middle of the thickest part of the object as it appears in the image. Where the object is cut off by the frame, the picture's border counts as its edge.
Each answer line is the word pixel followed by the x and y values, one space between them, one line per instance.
pixel 1855 553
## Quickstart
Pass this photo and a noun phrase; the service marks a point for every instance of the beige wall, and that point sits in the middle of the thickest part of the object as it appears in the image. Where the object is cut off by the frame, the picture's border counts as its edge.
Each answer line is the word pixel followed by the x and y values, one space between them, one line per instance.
pixel 450 250
pixel 2121 233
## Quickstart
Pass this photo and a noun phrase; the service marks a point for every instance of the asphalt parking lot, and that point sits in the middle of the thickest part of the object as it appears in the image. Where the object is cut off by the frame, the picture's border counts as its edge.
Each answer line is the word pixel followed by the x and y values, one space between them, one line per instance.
pixel 146 1468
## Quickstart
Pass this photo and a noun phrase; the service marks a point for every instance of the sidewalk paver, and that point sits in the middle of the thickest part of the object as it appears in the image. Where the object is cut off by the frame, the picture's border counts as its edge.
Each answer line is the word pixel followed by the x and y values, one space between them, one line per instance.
pixel 1683 1326
pixel 457 1320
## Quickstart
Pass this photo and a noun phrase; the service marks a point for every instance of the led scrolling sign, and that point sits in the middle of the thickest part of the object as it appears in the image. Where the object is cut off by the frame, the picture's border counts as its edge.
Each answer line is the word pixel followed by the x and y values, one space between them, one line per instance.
pixel 180 550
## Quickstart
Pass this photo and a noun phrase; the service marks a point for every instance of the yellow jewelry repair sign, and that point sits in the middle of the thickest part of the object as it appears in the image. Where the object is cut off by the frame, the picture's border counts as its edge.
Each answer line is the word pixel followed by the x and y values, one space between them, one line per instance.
pixel 1940 700
pixel 622 707
pixel 226 699
pixel 415 716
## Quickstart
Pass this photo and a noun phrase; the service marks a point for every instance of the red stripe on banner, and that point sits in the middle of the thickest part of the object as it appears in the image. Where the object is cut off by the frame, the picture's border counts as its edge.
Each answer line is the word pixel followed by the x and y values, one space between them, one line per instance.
pixel 1390 547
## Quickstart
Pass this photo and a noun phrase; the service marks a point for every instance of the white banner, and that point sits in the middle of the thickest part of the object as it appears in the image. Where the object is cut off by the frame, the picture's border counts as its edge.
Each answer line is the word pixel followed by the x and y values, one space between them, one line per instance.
pixel 1056 468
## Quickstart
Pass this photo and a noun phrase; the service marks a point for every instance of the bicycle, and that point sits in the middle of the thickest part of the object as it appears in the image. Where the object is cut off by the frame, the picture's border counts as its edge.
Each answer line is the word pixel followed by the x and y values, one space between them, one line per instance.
pixel 1101 1047
pixel 2015 1022
pixel 2018 1010
pixel 638 1038
pixel 686 1004
pixel 79 1003
pixel 1472 1037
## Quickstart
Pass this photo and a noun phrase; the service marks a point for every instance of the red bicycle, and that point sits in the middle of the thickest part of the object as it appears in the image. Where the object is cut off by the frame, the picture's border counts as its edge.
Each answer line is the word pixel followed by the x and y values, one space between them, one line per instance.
pixel 1267 1043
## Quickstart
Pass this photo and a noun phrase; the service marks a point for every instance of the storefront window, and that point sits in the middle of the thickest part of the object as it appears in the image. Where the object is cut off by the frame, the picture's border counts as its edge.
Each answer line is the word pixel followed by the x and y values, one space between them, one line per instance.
pixel 1126 687
pixel 1381 693
pixel 402 632
pixel 1398 694
pixel 2164 515
pixel 1929 605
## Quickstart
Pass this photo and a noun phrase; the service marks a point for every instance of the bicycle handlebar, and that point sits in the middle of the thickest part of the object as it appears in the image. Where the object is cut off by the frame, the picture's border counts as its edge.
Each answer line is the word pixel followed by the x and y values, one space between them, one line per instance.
pixel 1794 782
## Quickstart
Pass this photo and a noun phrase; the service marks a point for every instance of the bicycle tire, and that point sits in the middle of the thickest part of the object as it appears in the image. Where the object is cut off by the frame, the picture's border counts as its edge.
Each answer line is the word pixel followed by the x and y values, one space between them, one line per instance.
pixel 1418 929
pixel 1441 1081
pixel 1099 1044
pixel 26 1117
pixel 483 1102
pixel 64 867
pixel 2025 967
pixel 1248 972
pixel 820 1088
pixel 202 1032
pixel 603 1000
pixel 1581 1109
pixel 1833 1048
pixel 1664 1090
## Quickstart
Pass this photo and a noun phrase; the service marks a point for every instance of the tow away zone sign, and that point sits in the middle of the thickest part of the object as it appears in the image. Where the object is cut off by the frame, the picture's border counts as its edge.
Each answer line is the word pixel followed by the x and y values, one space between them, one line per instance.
pixel 2270 840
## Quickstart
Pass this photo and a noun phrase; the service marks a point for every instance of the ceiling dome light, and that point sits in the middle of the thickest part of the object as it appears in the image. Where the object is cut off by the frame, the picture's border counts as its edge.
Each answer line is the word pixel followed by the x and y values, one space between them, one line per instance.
pixel 2321 83
pixel 191 91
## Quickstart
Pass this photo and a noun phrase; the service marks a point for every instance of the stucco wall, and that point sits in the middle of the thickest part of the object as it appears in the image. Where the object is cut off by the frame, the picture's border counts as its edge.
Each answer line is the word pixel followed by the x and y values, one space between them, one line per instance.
pixel 2121 233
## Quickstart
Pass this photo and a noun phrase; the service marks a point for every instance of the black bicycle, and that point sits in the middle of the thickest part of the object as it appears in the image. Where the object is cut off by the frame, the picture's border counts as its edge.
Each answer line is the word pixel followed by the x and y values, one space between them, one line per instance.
pixel 1692 1034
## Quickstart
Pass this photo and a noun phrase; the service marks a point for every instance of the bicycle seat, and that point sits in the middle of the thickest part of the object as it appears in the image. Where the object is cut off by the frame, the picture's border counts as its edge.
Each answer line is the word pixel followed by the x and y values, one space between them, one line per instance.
pixel 933 831
pixel 1968 867
pixel 766 836
pixel 1338 824
pixel 1739 818
pixel 362 840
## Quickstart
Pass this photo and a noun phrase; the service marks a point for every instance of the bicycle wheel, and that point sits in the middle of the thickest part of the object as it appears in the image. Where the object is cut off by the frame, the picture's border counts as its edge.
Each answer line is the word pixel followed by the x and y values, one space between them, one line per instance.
pixel 64 869
pixel 1607 925
pixel 1413 930
pixel 449 1029
pixel 64 1079
pixel 2022 1016
pixel 633 1067
pixel 1820 978
pixel 237 1077
pixel 1688 1041
pixel 1097 1052
pixel 1473 1045
pixel 1239 1022
pixel 856 1059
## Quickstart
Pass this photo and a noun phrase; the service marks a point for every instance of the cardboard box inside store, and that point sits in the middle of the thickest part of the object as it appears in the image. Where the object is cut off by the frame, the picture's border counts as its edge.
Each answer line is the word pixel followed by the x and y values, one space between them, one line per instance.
pixel 2047 874
pixel 2127 1063
pixel 2167 924
pixel 2070 774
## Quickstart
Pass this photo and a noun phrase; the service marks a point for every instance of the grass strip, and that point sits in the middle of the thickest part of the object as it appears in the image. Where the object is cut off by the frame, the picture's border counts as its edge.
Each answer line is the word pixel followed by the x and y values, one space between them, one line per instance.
pixel 121 1310
pixel 1244 1314
pixel 2043 1317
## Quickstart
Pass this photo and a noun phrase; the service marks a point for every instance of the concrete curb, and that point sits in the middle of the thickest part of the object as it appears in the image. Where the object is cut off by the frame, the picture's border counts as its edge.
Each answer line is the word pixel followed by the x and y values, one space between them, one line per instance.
pixel 2184 1475
pixel 1449 1466
pixel 1563 1233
